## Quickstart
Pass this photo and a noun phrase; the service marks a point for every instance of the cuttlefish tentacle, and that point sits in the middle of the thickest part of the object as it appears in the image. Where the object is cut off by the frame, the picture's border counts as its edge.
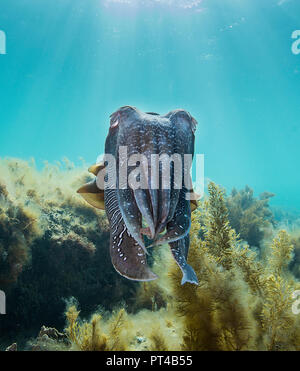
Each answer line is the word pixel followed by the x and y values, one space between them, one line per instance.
pixel 128 257
pixel 179 250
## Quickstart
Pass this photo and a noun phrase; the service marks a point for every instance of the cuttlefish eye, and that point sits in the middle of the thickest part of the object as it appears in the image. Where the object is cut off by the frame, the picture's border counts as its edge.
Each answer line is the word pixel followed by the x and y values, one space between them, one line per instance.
pixel 120 115
pixel 115 121
pixel 182 114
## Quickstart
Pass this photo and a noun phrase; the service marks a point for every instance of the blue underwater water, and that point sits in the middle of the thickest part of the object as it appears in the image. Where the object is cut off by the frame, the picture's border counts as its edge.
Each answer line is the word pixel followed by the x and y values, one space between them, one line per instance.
pixel 70 63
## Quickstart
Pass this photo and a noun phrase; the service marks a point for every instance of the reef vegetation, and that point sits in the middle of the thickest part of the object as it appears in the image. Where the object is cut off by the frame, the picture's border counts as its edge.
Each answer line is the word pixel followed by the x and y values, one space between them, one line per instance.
pixel 52 246
pixel 55 269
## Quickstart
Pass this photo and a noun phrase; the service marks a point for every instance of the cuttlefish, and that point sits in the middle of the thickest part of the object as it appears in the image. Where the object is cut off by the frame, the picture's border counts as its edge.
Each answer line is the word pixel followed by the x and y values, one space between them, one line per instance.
pixel 152 213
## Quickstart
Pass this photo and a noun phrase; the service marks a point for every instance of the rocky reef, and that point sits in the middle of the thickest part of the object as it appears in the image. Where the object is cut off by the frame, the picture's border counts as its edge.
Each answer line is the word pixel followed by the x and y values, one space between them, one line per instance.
pixel 55 269
pixel 52 246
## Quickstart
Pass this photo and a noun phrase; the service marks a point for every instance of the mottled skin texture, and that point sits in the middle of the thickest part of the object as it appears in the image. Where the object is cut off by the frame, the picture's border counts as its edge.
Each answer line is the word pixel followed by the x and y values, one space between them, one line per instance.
pixel 166 212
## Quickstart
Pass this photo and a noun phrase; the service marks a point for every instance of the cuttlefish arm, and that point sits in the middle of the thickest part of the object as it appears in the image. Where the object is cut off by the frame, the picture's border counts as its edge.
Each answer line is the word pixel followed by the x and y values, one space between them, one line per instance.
pixel 180 224
pixel 128 257
pixel 130 214
pixel 179 250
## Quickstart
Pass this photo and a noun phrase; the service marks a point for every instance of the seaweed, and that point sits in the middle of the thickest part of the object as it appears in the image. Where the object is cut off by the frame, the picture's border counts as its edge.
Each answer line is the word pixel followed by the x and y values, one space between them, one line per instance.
pixel 54 246
pixel 249 216
pixel 87 336
pixel 239 305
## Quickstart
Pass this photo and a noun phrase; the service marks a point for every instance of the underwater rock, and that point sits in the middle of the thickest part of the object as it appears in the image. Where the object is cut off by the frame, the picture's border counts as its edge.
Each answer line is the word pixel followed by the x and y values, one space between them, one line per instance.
pixel 12 348
pixel 52 333
pixel 52 248
pixel 49 338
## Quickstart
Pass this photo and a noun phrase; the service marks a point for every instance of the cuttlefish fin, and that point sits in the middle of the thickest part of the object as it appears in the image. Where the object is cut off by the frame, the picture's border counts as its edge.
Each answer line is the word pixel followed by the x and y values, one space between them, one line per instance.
pixel 194 205
pixel 94 169
pixel 194 197
pixel 92 194
pixel 179 250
